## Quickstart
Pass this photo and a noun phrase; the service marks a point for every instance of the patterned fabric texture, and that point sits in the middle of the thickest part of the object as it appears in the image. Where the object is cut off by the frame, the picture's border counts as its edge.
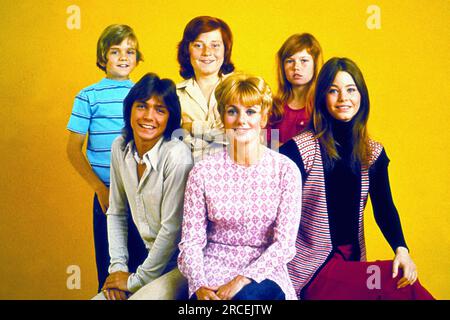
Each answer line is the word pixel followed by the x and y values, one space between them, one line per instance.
pixel 240 221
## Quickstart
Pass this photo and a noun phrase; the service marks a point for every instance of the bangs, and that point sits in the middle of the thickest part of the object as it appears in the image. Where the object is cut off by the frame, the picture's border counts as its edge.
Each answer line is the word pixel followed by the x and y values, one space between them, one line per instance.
pixel 244 93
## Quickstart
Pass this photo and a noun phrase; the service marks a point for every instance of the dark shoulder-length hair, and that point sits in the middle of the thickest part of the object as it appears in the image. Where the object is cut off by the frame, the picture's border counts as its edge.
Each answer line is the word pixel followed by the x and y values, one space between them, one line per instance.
pixel 321 123
pixel 150 85
pixel 192 30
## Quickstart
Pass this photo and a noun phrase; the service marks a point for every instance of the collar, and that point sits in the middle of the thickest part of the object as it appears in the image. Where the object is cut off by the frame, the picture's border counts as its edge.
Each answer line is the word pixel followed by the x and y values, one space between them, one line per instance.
pixel 151 157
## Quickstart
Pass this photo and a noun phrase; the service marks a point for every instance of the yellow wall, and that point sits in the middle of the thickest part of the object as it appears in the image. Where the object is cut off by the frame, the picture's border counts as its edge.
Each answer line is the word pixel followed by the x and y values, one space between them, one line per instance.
pixel 45 207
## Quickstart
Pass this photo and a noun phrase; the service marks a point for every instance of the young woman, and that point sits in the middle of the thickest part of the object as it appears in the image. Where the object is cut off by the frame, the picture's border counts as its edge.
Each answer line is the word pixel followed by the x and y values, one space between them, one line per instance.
pixel 241 209
pixel 298 62
pixel 340 167
pixel 204 55
pixel 149 170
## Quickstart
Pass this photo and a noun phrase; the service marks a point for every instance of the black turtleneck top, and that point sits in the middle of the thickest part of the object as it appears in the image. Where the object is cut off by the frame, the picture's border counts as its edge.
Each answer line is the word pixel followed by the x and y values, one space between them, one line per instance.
pixel 343 192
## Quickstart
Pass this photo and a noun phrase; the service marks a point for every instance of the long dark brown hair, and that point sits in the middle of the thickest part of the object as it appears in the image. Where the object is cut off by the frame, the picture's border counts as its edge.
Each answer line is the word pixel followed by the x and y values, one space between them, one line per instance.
pixel 321 123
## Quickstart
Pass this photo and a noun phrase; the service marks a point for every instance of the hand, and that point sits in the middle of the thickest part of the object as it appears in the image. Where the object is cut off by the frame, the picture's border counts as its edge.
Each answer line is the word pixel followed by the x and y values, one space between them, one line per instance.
pixel 403 260
pixel 103 197
pixel 207 293
pixel 117 280
pixel 230 289
pixel 115 294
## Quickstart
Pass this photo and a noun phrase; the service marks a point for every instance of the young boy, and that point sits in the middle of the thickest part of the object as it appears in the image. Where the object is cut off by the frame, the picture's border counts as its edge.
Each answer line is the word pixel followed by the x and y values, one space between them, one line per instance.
pixel 98 111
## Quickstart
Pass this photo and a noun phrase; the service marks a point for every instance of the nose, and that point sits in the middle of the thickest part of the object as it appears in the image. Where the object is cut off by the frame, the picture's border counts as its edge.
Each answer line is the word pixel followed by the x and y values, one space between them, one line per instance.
pixel 149 113
pixel 242 118
pixel 342 95
pixel 206 50
pixel 297 65
pixel 122 55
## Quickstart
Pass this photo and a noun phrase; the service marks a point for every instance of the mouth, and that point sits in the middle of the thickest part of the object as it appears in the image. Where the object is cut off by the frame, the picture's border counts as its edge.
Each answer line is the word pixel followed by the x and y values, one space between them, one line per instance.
pixel 343 108
pixel 147 126
pixel 123 66
pixel 241 130
pixel 207 61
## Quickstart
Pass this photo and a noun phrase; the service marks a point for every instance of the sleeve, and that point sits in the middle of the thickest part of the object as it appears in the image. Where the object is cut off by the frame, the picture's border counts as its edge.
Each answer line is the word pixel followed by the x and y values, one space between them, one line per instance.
pixel 290 150
pixel 117 215
pixel 176 170
pixel 282 250
pixel 384 209
pixel 80 118
pixel 193 235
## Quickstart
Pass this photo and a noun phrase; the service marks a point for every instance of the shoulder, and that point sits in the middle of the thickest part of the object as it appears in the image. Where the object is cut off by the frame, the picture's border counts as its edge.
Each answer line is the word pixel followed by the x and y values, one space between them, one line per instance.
pixel 213 162
pixel 183 84
pixel 284 164
pixel 118 146
pixel 176 151
pixel 306 137
pixel 376 148
pixel 118 142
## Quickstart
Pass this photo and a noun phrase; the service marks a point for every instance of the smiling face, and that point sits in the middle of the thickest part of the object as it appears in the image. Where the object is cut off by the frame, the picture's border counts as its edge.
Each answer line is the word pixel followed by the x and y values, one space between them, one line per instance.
pixel 243 123
pixel 299 68
pixel 343 98
pixel 121 60
pixel 149 121
pixel 207 53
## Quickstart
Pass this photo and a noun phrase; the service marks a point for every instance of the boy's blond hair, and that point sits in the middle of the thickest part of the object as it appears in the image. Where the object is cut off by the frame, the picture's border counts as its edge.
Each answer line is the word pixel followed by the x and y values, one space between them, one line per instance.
pixel 114 35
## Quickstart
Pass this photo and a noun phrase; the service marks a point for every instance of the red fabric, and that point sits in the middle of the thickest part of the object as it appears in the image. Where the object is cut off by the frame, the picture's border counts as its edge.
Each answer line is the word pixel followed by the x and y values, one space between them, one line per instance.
pixel 293 122
pixel 341 279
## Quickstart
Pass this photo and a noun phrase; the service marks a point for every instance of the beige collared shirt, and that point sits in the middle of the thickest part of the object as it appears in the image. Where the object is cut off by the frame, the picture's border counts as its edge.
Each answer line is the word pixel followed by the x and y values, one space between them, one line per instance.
pixel 195 108
pixel 155 202
pixel 207 135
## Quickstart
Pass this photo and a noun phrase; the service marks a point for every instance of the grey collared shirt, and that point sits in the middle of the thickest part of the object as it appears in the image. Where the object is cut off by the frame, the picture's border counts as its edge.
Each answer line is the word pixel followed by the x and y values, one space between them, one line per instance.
pixel 156 204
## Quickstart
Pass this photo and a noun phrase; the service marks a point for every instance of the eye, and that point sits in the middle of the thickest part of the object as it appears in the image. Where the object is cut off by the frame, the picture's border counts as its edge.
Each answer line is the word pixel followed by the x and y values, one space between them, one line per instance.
pixel 132 51
pixel 332 91
pixel 113 52
pixel 216 45
pixel 288 61
pixel 250 112
pixel 140 106
pixel 231 112
pixel 161 110
pixel 352 90
pixel 197 45
pixel 304 60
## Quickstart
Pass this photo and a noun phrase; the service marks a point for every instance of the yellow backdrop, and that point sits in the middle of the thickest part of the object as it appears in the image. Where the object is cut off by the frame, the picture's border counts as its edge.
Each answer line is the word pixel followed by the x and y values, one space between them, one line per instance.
pixel 48 52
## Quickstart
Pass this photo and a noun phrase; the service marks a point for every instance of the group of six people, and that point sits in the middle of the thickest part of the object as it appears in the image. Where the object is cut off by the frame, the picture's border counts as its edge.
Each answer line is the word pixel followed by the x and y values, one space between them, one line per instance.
pixel 192 198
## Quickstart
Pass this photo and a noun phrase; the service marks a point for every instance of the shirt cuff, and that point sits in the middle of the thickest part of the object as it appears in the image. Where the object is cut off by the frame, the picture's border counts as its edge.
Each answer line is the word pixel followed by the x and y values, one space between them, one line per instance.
pixel 134 283
pixel 117 267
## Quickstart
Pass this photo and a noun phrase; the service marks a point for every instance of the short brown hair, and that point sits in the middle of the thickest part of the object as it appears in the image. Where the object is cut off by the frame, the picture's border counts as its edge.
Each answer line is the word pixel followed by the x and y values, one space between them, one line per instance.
pixel 114 35
pixel 192 30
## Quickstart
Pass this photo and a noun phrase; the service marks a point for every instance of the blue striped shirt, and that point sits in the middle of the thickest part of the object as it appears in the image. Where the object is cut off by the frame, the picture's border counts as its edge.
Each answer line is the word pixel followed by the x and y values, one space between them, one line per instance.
pixel 98 112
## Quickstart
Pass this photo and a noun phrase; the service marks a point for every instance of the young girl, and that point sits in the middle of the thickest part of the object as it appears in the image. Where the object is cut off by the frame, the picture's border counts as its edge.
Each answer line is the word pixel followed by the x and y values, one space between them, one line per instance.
pixel 298 61
pixel 340 167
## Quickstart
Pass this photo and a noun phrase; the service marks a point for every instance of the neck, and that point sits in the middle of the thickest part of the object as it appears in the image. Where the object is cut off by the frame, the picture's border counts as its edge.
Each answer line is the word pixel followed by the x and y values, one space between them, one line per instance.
pixel 245 154
pixel 144 147
pixel 207 80
pixel 298 97
pixel 115 78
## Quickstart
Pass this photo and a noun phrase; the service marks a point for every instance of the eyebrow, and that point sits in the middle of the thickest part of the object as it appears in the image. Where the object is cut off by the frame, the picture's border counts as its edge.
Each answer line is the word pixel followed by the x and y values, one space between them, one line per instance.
pixel 118 47
pixel 214 41
pixel 348 85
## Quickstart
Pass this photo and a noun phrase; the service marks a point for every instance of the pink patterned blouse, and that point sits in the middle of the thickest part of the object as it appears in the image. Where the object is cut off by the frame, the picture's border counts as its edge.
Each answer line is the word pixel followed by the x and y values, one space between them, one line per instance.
pixel 240 221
